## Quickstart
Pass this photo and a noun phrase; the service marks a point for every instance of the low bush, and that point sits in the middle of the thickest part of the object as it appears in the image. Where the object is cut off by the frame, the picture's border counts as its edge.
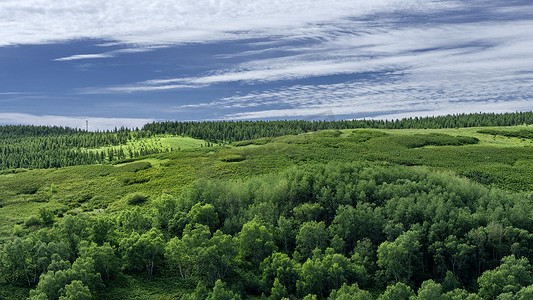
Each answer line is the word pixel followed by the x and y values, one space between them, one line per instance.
pixel 136 198
pixel 32 220
pixel 232 158
pixel 434 139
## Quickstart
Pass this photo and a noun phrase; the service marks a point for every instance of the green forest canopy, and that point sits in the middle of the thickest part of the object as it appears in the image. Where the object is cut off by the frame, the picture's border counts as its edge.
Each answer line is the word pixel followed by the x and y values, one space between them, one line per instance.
pixel 316 230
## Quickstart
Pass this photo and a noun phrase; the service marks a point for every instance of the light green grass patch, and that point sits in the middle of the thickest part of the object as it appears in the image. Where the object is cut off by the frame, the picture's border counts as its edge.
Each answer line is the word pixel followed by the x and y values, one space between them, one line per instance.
pixel 180 142
pixel 484 139
pixel 164 142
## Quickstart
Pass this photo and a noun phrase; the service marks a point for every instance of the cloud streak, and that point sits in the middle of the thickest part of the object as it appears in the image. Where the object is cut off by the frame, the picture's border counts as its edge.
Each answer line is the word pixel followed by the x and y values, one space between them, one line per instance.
pixel 108 54
pixel 162 22
pixel 371 97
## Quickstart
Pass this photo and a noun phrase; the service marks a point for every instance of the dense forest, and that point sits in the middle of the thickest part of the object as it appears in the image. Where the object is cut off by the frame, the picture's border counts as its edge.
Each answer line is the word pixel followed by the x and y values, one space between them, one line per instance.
pixel 288 210
pixel 335 231
pixel 53 147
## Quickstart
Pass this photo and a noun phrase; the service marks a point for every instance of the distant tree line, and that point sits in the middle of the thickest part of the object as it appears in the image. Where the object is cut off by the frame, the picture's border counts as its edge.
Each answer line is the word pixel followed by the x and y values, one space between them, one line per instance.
pixel 53 146
pixel 64 137
pixel 231 131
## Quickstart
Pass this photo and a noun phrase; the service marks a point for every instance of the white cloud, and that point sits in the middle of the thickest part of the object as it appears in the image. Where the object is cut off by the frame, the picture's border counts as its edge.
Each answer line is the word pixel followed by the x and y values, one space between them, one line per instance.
pixel 108 54
pixel 447 68
pixel 399 95
pixel 84 56
pixel 395 111
pixel 161 21
pixel 135 88
pixel 484 107
pixel 72 122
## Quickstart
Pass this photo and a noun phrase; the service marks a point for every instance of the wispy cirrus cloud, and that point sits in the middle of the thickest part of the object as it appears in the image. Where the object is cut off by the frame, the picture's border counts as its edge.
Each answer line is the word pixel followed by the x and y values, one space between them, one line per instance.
pixel 163 22
pixel 84 56
pixel 400 95
pixel 372 100
pixel 447 67
pixel 108 54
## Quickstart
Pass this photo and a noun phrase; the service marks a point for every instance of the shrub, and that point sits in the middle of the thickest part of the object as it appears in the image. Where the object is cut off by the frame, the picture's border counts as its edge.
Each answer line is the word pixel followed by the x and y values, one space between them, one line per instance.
pixel 32 221
pixel 134 167
pixel 260 141
pixel 232 158
pixel 17 230
pixel 130 181
pixel 47 216
pixel 136 198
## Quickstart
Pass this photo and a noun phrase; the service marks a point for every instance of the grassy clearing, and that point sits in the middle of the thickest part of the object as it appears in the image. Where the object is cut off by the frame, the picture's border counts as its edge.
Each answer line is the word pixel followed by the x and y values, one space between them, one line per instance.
pixel 180 142
pixel 154 144
pixel 485 139
pixel 159 141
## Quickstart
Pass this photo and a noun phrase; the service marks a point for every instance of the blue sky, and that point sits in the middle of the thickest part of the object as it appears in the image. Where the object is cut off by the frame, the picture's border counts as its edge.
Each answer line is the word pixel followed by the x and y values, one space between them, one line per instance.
pixel 125 63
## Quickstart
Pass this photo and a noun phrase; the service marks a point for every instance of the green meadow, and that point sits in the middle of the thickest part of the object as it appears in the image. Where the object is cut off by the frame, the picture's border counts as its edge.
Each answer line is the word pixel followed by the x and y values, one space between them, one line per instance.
pixel 503 162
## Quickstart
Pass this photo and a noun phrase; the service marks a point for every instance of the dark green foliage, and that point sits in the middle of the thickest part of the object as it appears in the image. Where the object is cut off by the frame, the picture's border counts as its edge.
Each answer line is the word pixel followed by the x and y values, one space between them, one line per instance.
pixel 259 141
pixel 311 236
pixel 203 214
pixel 434 139
pixel 256 242
pixel 54 284
pixel 32 220
pixel 278 291
pixel 143 252
pixel 53 147
pixel 522 133
pixel 134 167
pixel 398 291
pixel 47 216
pixel 334 230
pixel 430 290
pixel 232 158
pixel 134 220
pixel 76 290
pixel 105 261
pixel 198 253
pixel 165 212
pixel 280 267
pixel 400 259
pixel 221 293
pixel 136 198
pixel 350 293
pixel 512 275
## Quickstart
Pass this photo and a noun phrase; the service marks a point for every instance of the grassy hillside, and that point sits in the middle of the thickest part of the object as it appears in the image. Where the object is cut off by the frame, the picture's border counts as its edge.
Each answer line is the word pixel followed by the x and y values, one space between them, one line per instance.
pixel 504 162
pixel 162 142
pixel 499 157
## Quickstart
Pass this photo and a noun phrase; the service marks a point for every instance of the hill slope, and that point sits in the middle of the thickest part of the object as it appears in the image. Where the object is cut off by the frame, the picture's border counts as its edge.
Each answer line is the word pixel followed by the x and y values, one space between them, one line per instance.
pixel 357 195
